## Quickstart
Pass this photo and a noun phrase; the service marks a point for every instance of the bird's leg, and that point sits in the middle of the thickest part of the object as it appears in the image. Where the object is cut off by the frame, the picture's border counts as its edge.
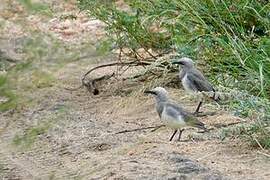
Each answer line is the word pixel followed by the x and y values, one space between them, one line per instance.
pixel 180 133
pixel 198 108
pixel 173 135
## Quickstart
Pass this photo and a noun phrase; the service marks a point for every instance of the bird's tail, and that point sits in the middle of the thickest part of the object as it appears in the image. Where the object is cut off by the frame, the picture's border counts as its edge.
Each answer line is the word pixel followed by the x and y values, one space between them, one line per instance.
pixel 199 125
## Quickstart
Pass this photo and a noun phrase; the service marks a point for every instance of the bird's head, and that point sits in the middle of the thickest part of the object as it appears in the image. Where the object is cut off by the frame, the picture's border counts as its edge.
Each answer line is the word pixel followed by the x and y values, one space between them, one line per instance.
pixel 159 93
pixel 184 62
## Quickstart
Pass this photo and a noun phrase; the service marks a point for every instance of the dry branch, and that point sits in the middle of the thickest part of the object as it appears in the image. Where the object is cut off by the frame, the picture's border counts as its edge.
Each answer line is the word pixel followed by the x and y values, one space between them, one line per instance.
pixel 139 129
pixel 91 84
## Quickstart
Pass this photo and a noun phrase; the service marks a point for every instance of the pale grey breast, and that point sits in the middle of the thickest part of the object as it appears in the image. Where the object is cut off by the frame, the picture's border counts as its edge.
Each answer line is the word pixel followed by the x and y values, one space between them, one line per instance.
pixel 173 116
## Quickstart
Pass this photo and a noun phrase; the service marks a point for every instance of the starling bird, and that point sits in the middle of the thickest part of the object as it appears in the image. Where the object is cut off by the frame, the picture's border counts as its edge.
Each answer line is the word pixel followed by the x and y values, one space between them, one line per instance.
pixel 172 114
pixel 193 80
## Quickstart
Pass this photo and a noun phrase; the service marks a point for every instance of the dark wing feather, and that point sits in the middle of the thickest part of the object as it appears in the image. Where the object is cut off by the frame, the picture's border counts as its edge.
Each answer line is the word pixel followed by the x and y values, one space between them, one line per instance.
pixel 198 81
pixel 175 110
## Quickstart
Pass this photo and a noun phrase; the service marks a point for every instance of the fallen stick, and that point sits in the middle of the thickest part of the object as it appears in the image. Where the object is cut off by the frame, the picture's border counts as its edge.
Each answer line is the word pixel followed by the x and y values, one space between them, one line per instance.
pixel 86 84
pixel 91 84
pixel 139 129
pixel 134 63
pixel 262 153
pixel 227 125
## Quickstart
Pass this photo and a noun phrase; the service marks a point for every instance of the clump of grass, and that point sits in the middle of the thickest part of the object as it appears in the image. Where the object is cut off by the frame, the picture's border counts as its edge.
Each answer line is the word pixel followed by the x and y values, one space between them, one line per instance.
pixel 11 102
pixel 30 135
pixel 42 79
pixel 3 80
pixel 256 134
pixel 36 7
pixel 7 93
pixel 104 47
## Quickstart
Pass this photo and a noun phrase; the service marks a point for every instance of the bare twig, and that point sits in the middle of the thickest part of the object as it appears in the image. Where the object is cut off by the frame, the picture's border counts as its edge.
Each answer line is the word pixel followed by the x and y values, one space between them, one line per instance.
pixel 258 143
pixel 84 83
pixel 267 155
pixel 139 129
pixel 226 125
pixel 91 84
pixel 132 63
pixel 158 127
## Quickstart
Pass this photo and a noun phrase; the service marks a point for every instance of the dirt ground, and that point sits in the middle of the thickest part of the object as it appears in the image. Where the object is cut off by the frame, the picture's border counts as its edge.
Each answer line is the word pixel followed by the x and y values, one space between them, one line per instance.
pixel 73 135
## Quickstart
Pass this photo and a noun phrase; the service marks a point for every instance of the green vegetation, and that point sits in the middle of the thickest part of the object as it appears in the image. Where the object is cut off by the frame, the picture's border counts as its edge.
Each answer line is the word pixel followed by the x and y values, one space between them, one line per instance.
pixel 42 79
pixel 6 92
pixel 104 47
pixel 256 134
pixel 36 7
pixel 230 40
pixel 44 55
pixel 30 135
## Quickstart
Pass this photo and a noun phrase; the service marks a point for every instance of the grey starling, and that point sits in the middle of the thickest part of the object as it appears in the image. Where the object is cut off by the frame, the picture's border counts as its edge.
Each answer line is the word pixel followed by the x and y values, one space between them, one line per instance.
pixel 172 114
pixel 193 80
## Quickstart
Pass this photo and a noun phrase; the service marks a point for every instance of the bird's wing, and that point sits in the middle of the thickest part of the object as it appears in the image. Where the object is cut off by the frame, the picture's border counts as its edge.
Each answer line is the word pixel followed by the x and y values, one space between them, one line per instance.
pixel 198 81
pixel 176 111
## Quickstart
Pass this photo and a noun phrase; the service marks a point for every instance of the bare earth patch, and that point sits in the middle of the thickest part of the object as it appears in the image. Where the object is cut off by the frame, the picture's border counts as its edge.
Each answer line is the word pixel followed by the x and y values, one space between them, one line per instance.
pixel 81 141
pixel 66 134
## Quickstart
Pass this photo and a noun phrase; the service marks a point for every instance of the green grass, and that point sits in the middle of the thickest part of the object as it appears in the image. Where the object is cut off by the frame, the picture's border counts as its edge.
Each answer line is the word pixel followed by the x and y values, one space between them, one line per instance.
pixel 230 38
pixel 36 7
pixel 6 92
pixel 3 80
pixel 30 136
pixel 104 47
pixel 42 79
pixel 11 102
pixel 256 134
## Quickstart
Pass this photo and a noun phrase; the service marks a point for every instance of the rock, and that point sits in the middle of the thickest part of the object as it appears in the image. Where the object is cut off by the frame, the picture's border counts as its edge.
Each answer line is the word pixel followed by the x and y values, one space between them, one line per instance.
pixel 184 168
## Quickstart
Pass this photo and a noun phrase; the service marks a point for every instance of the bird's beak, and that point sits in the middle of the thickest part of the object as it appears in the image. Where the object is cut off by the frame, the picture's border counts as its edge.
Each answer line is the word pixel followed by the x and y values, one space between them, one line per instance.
pixel 149 92
pixel 177 62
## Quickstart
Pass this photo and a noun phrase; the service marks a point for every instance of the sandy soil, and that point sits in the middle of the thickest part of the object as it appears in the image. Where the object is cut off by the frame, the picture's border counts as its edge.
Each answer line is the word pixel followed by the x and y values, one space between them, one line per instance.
pixel 80 140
